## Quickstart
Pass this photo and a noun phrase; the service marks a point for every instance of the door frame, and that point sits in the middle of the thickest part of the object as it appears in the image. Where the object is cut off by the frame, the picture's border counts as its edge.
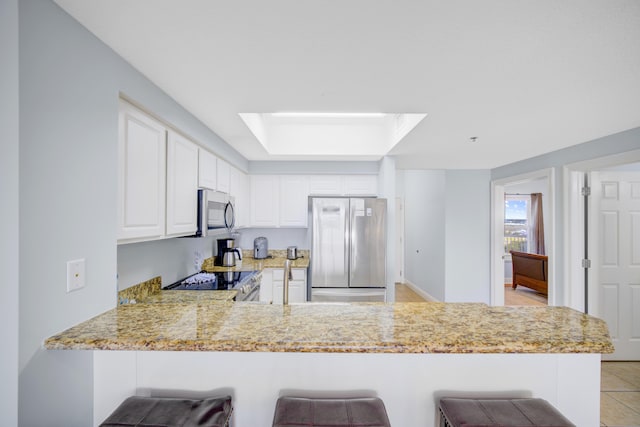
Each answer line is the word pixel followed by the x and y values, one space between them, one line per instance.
pixel 399 270
pixel 574 237
pixel 497 231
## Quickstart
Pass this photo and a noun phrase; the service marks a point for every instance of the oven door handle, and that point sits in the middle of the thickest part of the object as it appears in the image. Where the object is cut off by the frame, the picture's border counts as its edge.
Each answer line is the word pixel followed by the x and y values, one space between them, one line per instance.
pixel 253 295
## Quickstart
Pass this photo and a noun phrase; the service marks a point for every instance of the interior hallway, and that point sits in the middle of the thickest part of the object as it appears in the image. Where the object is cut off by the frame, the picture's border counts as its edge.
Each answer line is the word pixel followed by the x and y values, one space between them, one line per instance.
pixel 619 381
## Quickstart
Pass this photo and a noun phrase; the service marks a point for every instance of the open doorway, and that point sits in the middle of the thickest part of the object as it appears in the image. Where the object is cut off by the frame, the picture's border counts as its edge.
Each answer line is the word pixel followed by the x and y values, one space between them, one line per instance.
pixel 511 230
pixel 525 240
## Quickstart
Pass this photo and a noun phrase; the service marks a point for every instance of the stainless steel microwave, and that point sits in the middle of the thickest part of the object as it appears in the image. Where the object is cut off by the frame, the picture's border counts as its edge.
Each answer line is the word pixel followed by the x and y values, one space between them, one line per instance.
pixel 215 211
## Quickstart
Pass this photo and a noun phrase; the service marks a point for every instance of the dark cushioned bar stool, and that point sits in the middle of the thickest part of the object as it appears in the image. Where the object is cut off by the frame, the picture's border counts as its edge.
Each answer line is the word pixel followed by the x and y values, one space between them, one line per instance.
pixel 171 412
pixel 308 412
pixel 459 412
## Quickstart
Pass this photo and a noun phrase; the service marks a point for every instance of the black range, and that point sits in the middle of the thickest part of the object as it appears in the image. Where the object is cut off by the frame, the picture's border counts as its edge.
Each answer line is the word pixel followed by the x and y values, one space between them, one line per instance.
pixel 247 283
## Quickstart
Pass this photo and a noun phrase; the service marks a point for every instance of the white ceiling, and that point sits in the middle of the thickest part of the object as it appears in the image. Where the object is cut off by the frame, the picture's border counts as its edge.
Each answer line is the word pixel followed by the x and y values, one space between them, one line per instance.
pixel 526 77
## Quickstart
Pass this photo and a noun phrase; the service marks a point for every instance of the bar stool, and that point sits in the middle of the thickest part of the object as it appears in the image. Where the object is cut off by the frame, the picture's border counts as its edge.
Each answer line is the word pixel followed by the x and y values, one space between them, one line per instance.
pixel 171 412
pixel 505 412
pixel 310 412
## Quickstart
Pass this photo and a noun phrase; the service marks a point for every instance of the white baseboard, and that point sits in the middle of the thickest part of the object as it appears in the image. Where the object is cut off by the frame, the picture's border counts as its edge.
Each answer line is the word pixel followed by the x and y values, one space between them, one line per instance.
pixel 420 292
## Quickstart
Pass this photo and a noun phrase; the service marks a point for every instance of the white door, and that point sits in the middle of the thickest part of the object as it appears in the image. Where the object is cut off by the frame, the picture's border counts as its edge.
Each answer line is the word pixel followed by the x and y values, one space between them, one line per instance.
pixel 614 247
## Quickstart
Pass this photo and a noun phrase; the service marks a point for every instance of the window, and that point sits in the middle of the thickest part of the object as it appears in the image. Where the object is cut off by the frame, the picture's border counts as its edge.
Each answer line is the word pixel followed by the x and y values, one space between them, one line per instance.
pixel 516 223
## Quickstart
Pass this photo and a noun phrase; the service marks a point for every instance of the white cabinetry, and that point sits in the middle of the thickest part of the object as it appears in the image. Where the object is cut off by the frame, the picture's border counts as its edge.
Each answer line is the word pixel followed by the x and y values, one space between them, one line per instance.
pixel 264 200
pixel 182 185
pixel 343 185
pixel 360 185
pixel 282 200
pixel 320 185
pixel 239 189
pixel 294 190
pixel 223 176
pixel 141 175
pixel 273 282
pixel 207 169
pixel 266 286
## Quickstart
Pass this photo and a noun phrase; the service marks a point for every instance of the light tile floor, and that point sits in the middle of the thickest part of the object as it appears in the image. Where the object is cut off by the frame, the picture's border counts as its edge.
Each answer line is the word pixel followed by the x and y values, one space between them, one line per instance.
pixel 620 394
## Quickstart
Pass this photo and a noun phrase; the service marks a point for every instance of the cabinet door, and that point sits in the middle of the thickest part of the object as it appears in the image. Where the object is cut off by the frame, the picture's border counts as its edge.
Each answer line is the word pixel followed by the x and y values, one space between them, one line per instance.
pixel 297 285
pixel 207 169
pixel 141 175
pixel 239 189
pixel 182 185
pixel 360 185
pixel 294 192
pixel 223 176
pixel 325 185
pixel 264 201
pixel 266 286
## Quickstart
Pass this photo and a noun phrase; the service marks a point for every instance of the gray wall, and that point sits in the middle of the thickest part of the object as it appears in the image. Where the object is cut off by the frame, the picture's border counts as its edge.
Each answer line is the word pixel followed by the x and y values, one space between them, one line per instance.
pixel 467 236
pixel 68 92
pixel 447 232
pixel 9 212
pixel 424 198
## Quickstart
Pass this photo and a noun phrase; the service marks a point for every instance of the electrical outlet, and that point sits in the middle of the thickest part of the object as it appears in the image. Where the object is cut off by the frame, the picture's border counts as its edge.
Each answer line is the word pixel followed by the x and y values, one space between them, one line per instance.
pixel 75 274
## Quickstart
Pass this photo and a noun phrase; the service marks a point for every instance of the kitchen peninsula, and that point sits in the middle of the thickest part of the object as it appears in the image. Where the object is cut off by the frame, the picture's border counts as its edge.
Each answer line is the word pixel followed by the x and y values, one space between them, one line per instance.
pixel 406 353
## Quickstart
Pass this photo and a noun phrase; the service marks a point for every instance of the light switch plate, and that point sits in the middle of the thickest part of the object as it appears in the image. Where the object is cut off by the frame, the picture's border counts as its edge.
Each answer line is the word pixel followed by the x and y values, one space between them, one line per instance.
pixel 75 274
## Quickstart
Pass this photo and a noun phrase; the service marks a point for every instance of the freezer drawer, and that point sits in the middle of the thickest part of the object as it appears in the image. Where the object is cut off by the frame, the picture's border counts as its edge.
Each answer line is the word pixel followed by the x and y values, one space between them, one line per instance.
pixel 348 295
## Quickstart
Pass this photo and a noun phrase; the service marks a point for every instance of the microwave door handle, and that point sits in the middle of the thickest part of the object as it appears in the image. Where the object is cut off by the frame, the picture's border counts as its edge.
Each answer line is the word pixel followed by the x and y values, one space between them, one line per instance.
pixel 233 219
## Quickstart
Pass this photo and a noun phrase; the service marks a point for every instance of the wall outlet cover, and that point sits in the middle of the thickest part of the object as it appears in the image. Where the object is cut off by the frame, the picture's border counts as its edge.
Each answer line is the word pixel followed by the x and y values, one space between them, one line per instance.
pixel 75 274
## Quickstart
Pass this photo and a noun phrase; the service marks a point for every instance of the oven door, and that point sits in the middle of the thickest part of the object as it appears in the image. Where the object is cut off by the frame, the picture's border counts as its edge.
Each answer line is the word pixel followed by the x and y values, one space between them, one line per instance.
pixel 253 295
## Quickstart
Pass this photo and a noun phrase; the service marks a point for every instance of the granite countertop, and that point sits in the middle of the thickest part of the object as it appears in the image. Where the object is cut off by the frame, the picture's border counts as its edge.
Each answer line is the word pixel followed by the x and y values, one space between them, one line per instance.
pixel 184 296
pixel 339 328
pixel 276 260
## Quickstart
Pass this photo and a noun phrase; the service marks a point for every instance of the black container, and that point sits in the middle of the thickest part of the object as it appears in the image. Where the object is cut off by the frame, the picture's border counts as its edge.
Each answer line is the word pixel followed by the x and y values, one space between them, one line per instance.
pixel 224 245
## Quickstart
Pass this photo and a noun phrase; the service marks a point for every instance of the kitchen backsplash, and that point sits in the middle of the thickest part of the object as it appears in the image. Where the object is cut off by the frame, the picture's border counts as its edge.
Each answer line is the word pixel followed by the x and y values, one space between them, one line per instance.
pixel 279 238
pixel 174 259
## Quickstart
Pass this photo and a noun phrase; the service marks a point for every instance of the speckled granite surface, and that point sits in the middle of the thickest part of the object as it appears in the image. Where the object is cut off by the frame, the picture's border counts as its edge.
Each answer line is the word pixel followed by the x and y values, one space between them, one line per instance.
pixel 140 291
pixel 278 257
pixel 187 297
pixel 344 328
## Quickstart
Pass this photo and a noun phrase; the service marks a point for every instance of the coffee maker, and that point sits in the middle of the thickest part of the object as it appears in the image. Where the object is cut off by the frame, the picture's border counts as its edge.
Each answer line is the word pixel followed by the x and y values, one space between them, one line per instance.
pixel 226 255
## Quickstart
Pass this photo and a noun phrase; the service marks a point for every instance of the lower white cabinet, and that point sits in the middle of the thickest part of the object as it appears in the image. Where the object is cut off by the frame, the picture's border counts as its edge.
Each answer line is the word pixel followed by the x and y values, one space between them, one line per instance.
pixel 273 282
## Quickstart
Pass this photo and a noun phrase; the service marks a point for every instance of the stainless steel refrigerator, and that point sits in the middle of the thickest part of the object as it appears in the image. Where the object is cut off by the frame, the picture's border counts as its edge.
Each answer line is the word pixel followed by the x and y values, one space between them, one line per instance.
pixel 348 248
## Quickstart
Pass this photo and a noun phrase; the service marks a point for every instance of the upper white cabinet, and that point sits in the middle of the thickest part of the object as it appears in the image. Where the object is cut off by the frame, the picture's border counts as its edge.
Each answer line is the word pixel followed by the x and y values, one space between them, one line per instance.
pixel 182 185
pixel 360 185
pixel 320 185
pixel 207 169
pixel 223 176
pixel 239 189
pixel 264 200
pixel 282 200
pixel 141 175
pixel 294 192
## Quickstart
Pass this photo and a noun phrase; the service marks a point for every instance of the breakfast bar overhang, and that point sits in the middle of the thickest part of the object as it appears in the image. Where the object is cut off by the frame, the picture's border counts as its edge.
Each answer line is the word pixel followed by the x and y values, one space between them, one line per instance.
pixel 408 354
